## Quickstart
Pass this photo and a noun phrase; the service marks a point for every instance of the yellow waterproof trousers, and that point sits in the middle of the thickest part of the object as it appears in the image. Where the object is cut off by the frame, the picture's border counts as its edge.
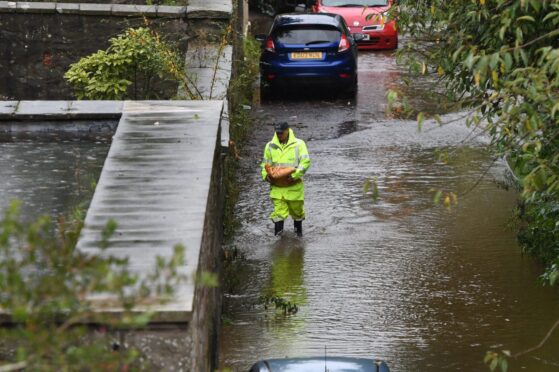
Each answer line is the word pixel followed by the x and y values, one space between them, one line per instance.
pixel 284 208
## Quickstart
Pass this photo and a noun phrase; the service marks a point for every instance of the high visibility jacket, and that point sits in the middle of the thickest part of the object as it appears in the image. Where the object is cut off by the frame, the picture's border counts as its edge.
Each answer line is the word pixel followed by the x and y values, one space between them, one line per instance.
pixel 291 154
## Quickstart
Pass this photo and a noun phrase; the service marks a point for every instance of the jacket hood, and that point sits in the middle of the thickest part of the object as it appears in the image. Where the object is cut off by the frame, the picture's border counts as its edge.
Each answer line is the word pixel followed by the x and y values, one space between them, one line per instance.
pixel 291 138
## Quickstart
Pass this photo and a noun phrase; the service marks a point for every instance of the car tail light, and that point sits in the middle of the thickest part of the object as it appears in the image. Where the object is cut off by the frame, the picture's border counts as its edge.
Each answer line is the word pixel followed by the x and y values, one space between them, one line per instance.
pixel 270 47
pixel 344 75
pixel 344 44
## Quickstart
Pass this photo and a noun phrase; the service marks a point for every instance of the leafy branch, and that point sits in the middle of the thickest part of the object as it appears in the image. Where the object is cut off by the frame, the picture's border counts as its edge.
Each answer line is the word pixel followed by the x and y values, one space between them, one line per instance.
pixel 48 291
pixel 128 68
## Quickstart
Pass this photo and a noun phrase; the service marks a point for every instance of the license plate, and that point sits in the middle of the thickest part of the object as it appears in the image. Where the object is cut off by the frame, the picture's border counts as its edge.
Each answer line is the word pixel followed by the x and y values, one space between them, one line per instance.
pixel 366 37
pixel 306 55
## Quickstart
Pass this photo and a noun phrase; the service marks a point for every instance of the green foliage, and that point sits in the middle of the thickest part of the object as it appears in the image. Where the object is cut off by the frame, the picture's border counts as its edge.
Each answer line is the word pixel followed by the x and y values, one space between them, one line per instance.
pixel 497 360
pixel 247 72
pixel 370 186
pixel 208 279
pixel 240 94
pixel 127 69
pixel 280 303
pixel 47 289
pixel 500 59
pixel 551 275
pixel 539 234
pixel 447 198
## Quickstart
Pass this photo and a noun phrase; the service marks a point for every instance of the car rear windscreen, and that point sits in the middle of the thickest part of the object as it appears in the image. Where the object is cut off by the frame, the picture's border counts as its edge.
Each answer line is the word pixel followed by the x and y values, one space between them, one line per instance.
pixel 307 35
pixel 354 3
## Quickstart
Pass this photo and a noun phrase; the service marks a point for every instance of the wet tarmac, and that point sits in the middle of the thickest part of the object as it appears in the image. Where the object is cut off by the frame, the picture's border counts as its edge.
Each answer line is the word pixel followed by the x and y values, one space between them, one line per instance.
pixel 381 270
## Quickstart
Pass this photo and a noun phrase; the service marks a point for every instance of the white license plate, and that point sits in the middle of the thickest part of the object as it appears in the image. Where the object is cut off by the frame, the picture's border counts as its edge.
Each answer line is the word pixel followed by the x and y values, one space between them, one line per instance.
pixel 306 55
pixel 366 37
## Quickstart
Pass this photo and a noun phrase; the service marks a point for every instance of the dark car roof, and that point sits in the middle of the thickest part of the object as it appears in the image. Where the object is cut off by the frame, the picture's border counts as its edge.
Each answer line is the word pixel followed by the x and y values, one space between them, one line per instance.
pixel 333 364
pixel 308 18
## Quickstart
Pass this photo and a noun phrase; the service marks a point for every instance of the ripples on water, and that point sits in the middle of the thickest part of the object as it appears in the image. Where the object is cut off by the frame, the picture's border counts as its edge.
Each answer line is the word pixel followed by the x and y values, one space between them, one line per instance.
pixel 50 176
pixel 398 278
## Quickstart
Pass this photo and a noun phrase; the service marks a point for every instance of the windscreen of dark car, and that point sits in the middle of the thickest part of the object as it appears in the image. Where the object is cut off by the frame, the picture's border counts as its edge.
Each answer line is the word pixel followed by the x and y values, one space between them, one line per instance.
pixel 306 34
pixel 354 3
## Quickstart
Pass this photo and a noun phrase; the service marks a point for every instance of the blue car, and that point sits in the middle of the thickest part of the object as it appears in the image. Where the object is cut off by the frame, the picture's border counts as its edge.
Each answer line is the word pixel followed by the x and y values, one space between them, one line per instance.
pixel 309 49
pixel 320 364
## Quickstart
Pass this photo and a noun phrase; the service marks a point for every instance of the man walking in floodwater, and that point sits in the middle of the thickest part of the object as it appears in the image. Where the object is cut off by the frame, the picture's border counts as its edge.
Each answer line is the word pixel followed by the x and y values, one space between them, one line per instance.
pixel 286 160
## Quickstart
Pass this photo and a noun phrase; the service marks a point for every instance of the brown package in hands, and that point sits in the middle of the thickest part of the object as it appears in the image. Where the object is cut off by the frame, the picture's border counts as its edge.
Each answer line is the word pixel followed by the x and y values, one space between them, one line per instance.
pixel 279 175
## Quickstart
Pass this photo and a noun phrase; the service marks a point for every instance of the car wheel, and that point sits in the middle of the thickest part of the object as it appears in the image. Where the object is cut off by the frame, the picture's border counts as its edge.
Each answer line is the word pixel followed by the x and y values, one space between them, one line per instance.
pixel 266 91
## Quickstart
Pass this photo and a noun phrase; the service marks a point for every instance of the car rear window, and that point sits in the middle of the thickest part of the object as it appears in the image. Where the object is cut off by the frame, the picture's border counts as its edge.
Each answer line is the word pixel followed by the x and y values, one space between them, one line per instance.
pixel 355 3
pixel 306 34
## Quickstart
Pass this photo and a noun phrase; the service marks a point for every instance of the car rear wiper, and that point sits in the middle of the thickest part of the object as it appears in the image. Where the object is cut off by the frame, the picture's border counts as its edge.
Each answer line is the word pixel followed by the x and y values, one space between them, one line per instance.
pixel 359 5
pixel 318 42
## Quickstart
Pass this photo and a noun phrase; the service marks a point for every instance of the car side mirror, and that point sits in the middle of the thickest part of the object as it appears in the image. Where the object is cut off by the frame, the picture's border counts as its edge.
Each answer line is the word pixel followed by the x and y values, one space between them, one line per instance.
pixel 261 38
pixel 358 36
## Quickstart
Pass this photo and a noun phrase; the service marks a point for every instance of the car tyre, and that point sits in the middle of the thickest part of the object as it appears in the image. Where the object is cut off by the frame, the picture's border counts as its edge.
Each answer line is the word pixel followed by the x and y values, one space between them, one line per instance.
pixel 266 91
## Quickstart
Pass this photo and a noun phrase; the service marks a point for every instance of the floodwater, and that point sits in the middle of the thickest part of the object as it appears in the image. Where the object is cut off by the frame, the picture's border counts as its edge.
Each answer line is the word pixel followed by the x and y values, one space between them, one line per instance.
pixel 390 276
pixel 50 176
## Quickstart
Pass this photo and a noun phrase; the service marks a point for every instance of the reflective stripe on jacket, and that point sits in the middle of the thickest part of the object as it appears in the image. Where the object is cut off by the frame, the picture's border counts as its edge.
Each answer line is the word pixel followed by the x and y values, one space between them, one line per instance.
pixel 292 154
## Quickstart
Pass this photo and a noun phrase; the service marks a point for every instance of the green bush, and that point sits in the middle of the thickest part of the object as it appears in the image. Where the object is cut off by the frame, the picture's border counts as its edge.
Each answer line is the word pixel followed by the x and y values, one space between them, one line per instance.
pixel 46 295
pixel 128 69
pixel 499 59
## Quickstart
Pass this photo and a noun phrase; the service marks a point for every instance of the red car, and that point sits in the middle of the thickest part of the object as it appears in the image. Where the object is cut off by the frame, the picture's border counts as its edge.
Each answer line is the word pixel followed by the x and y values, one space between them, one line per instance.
pixel 367 17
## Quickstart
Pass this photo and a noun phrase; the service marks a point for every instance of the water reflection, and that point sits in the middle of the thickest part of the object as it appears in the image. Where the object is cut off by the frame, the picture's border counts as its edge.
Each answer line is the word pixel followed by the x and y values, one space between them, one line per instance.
pixel 394 277
pixel 286 275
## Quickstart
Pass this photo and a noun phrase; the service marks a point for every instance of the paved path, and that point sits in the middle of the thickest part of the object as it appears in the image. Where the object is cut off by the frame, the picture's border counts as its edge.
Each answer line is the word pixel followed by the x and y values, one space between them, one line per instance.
pixel 155 183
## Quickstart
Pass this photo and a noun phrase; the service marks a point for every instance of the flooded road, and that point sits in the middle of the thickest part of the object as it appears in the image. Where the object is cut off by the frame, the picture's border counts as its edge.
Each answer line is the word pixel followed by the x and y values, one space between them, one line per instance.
pixel 391 276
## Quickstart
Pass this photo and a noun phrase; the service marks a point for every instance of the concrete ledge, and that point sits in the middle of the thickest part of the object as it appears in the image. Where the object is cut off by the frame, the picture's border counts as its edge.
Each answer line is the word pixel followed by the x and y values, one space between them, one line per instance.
pixel 171 11
pixel 59 110
pixel 170 147
pixel 8 6
pixel 67 8
pixel 76 128
pixel 225 123
pixel 203 9
pixel 8 108
pixel 133 10
pixel 44 116
pixel 93 9
pixel 30 7
pixel 209 68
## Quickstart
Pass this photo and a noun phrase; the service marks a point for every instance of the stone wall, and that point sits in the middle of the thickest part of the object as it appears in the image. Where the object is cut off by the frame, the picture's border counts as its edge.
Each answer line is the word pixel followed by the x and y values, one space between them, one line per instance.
pixel 36 49
pixel 191 346
pixel 138 2
pixel 167 346
pixel 207 313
